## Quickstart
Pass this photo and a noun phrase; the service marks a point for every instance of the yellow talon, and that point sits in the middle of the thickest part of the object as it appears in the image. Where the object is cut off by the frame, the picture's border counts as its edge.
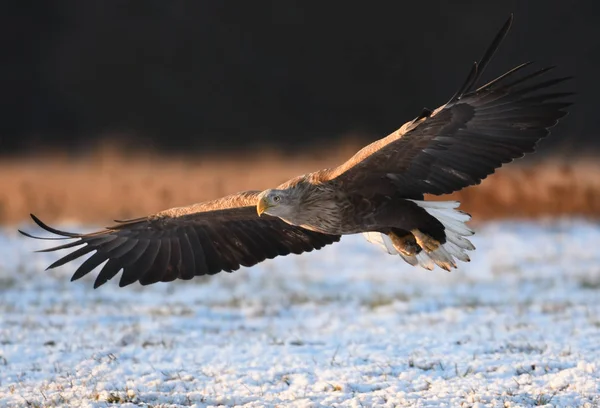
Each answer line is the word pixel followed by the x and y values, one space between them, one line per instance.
pixel 405 244
pixel 426 242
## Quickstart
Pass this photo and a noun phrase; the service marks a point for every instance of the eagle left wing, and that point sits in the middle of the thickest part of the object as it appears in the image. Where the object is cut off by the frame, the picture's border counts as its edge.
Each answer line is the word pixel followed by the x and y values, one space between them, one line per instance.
pixel 183 242
pixel 463 141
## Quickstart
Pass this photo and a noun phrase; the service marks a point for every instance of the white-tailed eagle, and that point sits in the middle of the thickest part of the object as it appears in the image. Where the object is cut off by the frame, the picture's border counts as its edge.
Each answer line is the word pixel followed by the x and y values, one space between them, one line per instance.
pixel 378 192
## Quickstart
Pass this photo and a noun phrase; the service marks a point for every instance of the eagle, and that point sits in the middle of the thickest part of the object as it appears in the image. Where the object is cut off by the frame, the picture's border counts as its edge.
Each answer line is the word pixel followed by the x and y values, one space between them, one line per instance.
pixel 379 192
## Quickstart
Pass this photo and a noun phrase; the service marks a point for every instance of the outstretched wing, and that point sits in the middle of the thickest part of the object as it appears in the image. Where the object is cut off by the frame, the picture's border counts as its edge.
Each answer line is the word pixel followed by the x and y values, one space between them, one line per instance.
pixel 184 242
pixel 463 141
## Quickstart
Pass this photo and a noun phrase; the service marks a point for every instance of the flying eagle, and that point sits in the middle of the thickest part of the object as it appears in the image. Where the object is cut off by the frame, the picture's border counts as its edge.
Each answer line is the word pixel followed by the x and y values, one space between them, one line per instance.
pixel 378 192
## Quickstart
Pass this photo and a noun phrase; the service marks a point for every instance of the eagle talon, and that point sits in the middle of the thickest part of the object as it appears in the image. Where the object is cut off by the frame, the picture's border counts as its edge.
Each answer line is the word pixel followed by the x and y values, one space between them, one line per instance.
pixel 406 244
pixel 425 241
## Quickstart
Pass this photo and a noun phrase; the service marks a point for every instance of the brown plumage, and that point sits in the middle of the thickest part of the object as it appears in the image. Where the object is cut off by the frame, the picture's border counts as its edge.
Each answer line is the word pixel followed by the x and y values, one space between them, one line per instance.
pixel 378 192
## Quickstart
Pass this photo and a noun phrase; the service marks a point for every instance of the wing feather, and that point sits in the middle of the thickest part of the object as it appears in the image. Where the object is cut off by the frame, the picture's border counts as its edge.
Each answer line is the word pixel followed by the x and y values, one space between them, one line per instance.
pixel 212 257
pixel 174 265
pixel 108 271
pixel 88 265
pixel 141 266
pixel 198 251
pixel 157 268
pixel 188 262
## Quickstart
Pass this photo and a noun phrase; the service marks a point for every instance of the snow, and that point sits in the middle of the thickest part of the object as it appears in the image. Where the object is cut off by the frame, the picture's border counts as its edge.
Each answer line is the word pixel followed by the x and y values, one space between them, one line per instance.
pixel 347 326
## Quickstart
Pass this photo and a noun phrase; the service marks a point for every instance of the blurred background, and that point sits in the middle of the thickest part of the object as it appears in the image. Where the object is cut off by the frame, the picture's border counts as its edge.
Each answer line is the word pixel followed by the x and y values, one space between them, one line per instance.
pixel 117 109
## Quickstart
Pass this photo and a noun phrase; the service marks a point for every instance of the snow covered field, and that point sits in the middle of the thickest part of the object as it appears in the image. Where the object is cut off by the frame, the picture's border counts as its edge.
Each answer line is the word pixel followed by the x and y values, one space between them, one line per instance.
pixel 344 326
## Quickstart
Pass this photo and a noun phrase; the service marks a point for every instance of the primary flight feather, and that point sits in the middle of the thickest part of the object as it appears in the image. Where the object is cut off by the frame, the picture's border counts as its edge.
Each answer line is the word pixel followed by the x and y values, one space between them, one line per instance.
pixel 378 192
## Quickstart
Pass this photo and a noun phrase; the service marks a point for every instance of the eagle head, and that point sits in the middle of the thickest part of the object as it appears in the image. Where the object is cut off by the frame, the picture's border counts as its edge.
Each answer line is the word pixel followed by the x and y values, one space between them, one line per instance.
pixel 274 202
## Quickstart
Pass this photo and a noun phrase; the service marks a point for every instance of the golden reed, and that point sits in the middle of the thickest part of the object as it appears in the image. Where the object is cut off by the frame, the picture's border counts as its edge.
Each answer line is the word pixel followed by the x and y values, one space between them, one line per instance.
pixel 108 183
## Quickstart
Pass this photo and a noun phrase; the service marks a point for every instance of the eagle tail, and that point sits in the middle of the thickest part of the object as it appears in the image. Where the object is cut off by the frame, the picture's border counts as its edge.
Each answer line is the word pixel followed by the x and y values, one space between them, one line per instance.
pixel 444 255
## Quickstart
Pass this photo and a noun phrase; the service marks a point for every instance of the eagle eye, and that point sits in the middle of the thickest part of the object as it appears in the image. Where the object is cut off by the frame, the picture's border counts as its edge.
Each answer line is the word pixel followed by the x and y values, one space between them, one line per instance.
pixel 276 198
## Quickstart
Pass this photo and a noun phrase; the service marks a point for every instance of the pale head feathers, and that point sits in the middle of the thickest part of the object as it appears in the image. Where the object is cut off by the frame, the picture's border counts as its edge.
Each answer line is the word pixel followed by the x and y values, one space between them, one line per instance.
pixel 303 202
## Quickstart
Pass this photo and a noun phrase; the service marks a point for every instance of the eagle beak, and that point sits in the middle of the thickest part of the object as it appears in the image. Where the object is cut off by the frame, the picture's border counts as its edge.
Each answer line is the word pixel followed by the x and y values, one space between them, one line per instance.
pixel 262 206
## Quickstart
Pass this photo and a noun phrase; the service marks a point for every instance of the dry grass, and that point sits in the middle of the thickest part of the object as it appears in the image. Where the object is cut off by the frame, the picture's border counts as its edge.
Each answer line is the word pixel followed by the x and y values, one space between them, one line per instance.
pixel 106 184
pixel 545 189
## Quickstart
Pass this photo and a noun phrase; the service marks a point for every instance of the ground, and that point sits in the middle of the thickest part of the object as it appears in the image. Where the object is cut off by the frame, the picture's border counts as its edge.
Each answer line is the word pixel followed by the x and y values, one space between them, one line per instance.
pixel 347 326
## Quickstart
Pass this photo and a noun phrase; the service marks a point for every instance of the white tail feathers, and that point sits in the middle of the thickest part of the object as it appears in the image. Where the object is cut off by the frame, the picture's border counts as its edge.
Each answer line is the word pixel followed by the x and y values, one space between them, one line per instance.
pixel 382 240
pixel 444 256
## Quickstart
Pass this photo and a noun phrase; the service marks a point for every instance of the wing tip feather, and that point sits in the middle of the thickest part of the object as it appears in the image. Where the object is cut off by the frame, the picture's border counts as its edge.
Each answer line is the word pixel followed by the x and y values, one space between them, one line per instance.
pixel 48 228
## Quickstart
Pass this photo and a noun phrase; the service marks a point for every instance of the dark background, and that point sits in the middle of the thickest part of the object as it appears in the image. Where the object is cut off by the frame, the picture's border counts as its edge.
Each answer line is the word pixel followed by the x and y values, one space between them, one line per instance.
pixel 182 75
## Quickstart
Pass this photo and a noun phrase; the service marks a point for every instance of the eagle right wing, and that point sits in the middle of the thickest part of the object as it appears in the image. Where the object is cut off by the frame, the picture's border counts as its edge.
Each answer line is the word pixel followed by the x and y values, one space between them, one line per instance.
pixel 463 141
pixel 184 242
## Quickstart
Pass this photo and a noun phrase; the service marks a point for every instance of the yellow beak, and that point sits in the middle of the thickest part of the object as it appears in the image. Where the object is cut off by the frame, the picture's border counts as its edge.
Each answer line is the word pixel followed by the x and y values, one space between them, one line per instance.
pixel 262 206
